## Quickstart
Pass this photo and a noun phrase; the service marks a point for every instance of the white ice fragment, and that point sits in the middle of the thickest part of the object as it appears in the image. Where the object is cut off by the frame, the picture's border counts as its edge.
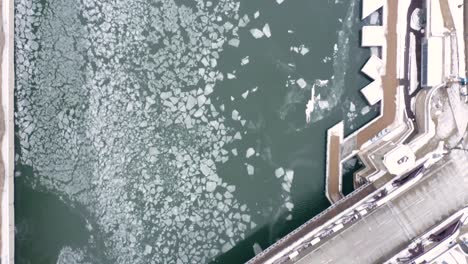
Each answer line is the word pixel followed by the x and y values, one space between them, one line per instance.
pixel 279 1
pixel 266 30
pixel 323 104
pixel 244 21
pixel 365 110
pixel 148 250
pixel 245 60
pixel 191 102
pixel 249 153
pixel 279 172
pixel 289 176
pixel 208 89
pixel 205 169
pixel 165 95
pixel 289 206
pixel 201 100
pixel 256 33
pixel 234 42
pixel 198 113
pixel 290 31
pixel 210 186
pixel 235 115
pixel 310 105
pixel 231 188
pixel 250 169
pixel 234 152
pixel 256 248
pixel 304 50
pixel 352 107
pixel 231 76
pixel 302 83
pixel 246 218
pixel 245 94
pixel 238 136
pixel 257 14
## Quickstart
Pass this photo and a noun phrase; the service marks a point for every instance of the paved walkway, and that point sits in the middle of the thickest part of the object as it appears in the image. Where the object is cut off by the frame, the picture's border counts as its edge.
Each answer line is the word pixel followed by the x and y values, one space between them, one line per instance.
pixel 384 232
pixel 389 80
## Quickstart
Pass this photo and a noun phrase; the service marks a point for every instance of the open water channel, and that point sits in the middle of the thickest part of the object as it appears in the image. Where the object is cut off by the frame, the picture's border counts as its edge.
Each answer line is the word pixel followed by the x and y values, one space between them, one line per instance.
pixel 174 131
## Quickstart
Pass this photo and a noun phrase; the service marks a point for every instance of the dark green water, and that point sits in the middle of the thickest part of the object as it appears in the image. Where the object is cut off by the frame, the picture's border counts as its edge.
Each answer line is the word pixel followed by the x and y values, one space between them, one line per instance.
pixel 113 166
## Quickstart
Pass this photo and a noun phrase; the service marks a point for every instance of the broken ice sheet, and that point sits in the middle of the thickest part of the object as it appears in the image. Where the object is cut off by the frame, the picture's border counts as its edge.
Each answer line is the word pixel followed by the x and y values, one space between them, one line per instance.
pixel 256 33
pixel 266 30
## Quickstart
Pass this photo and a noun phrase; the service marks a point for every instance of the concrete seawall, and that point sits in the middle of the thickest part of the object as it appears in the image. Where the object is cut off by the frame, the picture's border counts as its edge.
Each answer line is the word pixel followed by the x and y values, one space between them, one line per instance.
pixel 7 238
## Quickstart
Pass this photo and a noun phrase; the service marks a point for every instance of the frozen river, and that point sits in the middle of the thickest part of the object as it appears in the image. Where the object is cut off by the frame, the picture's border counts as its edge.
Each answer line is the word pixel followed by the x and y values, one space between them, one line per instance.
pixel 169 131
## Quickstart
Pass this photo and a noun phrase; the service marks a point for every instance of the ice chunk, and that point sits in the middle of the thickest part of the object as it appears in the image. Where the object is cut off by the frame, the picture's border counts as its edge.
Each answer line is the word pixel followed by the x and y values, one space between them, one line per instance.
pixel 231 76
pixel 365 110
pixel 201 100
pixel 250 152
pixel 148 250
pixel 210 186
pixel 289 206
pixel 256 248
pixel 304 50
pixel 323 104
pixel 279 172
pixel 205 169
pixel 250 169
pixel 235 115
pixel 257 14
pixel 208 89
pixel 352 107
pixel 234 152
pixel 191 102
pixel 279 2
pixel 244 21
pixel 301 82
pixel 256 33
pixel 266 30
pixel 234 42
pixel 246 218
pixel 237 135
pixel 245 94
pixel 289 175
pixel 245 60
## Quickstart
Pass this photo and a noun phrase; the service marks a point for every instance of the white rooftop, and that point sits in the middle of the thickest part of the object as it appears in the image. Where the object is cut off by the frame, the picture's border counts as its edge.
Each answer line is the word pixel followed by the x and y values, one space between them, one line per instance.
pixel 370 6
pixel 435 19
pixel 435 61
pixel 400 160
pixel 373 36
pixel 373 92
pixel 373 67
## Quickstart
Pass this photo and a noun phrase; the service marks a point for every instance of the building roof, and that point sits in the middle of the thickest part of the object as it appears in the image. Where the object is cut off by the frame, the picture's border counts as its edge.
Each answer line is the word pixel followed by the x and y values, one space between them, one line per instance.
pixel 373 36
pixel 370 6
pixel 373 67
pixel 373 92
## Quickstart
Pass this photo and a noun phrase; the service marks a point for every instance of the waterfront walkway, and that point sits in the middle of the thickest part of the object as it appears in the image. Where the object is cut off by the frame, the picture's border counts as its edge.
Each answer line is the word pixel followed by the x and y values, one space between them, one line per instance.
pixel 389 81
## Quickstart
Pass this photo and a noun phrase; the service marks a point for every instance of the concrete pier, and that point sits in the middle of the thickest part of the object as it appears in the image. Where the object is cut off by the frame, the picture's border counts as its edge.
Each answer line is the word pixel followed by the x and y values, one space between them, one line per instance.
pixel 333 182
pixel 7 237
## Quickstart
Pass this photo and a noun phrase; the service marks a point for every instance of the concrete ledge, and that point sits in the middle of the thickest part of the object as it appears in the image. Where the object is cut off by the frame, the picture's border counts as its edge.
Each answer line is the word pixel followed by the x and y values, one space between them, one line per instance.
pixel 7 144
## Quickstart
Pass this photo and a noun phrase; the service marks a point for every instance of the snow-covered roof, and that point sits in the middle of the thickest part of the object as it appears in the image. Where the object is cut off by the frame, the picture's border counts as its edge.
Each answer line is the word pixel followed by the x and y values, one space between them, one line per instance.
pixel 400 160
pixel 373 36
pixel 435 19
pixel 373 92
pixel 435 61
pixel 370 6
pixel 373 67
